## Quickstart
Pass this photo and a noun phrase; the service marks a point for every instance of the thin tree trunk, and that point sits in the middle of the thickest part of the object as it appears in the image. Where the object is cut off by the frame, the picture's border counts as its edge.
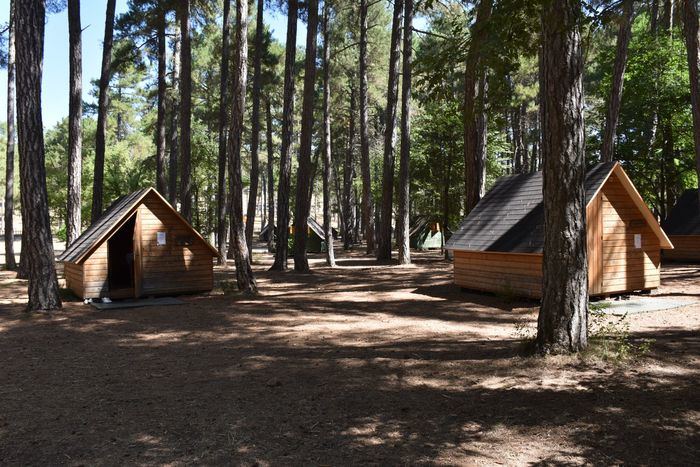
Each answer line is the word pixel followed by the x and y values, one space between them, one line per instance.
pixel 402 219
pixel 255 127
pixel 690 30
pixel 301 211
pixel 348 177
pixel 102 105
pixel 244 272
pixel 185 111
pixel 10 262
pixel 327 156
pixel 75 114
pixel 270 179
pixel 367 214
pixel 161 178
pixel 384 234
pixel 282 247
pixel 221 197
pixel 623 39
pixel 519 153
pixel 174 124
pixel 474 119
pixel 562 323
pixel 37 246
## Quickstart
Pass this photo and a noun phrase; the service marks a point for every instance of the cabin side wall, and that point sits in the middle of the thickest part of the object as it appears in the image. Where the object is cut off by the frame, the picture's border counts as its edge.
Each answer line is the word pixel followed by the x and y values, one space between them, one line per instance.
pixel 594 244
pixel 73 274
pixel 183 264
pixel 513 274
pixel 95 274
pixel 626 267
pixel 685 248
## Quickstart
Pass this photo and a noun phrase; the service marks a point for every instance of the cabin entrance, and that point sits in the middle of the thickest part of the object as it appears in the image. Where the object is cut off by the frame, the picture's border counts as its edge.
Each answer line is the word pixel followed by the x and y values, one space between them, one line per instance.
pixel 120 258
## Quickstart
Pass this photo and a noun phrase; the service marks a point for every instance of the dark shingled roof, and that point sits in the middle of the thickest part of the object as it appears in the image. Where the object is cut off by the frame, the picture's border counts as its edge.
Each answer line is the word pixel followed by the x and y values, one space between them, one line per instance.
pixel 685 215
pixel 316 227
pixel 510 218
pixel 101 226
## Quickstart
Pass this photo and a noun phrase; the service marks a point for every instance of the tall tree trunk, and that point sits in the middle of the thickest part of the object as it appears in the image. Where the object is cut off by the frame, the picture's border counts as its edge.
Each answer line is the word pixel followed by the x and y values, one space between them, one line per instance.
pixel 270 178
pixel 402 218
pixel 367 214
pixel 301 211
pixel 327 155
pixel 102 105
pixel 185 111
pixel 690 30
pixel 654 13
pixel 519 151
pixel 37 246
pixel 244 272
pixel 474 118
pixel 562 322
pixel 255 127
pixel 10 262
pixel 161 178
pixel 384 234
pixel 282 247
pixel 348 177
pixel 75 114
pixel 623 39
pixel 174 123
pixel 667 17
pixel 221 198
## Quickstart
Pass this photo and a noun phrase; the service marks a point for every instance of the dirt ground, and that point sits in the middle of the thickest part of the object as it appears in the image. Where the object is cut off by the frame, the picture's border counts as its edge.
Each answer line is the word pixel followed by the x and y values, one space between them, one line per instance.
pixel 360 364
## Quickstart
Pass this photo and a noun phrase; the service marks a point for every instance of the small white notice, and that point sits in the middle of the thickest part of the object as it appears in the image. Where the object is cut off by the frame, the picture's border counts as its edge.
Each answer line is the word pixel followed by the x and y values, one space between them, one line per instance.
pixel 637 241
pixel 160 238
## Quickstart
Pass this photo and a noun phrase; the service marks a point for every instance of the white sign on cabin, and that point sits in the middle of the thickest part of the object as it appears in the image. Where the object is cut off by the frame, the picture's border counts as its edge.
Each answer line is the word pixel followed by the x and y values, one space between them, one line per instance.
pixel 161 238
pixel 637 241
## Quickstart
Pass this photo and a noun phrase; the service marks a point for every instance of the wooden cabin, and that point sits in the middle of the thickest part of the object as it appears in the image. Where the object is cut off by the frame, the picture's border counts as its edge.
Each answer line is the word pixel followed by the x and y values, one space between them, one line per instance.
pixel 498 247
pixel 426 234
pixel 683 228
pixel 141 246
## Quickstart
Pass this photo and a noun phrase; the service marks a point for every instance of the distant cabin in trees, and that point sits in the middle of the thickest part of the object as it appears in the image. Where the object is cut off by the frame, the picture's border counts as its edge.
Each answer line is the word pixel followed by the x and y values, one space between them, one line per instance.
pixel 426 234
pixel 683 228
pixel 266 231
pixel 315 242
pixel 498 247
pixel 140 246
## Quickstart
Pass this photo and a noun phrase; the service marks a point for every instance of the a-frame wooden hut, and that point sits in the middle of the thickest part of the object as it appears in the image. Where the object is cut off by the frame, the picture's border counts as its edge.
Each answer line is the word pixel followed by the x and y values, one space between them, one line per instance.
pixel 140 246
pixel 426 234
pixel 498 247
pixel 683 228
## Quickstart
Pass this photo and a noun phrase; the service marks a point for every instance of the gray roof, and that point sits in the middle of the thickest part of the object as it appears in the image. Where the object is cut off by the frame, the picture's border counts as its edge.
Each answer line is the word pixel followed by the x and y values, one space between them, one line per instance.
pixel 316 227
pixel 95 233
pixel 510 218
pixel 685 215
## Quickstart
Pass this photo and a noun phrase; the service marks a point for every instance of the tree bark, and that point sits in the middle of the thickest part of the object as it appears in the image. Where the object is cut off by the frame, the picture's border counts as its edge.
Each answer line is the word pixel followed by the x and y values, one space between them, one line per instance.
pixel 519 152
pixel 562 322
pixel 301 211
pixel 623 39
pixel 384 234
pixel 690 30
pixel 37 248
pixel 161 178
pixel 474 113
pixel 367 214
pixel 282 247
pixel 10 262
pixel 255 127
pixel 102 106
pixel 402 219
pixel 75 114
pixel 174 124
pixel 327 155
pixel 185 111
pixel 348 177
pixel 244 272
pixel 270 179
pixel 221 197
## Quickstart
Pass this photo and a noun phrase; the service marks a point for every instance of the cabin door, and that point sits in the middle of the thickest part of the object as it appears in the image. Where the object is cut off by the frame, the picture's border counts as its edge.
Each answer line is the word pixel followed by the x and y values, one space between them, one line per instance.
pixel 120 260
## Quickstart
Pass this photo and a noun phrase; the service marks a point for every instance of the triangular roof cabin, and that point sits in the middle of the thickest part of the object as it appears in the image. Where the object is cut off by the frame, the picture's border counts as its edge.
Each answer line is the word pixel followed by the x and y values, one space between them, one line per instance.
pixel 498 246
pixel 140 246
pixel 683 228
pixel 426 233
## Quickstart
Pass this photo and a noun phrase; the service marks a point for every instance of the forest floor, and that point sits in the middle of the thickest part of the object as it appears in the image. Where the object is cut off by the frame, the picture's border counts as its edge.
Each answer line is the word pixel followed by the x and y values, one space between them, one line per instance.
pixel 361 364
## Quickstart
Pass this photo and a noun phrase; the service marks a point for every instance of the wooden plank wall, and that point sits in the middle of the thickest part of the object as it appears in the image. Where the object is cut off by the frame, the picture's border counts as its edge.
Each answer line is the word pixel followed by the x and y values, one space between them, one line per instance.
pixel 74 278
pixel 171 268
pixel 503 273
pixel 594 245
pixel 626 268
pixel 686 248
